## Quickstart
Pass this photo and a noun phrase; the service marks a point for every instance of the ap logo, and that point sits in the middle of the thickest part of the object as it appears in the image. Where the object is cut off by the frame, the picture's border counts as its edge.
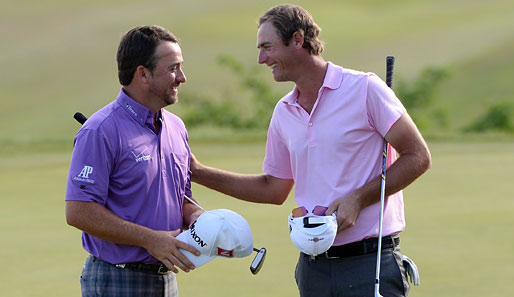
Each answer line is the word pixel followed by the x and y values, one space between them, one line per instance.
pixel 83 176
pixel 86 171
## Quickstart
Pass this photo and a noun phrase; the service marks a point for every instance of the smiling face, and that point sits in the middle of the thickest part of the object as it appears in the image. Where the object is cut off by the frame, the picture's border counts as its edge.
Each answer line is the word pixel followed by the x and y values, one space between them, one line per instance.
pixel 272 52
pixel 167 74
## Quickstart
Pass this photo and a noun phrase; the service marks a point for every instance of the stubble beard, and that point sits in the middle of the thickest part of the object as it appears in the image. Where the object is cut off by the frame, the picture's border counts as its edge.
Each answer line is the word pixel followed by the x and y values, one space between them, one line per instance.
pixel 164 95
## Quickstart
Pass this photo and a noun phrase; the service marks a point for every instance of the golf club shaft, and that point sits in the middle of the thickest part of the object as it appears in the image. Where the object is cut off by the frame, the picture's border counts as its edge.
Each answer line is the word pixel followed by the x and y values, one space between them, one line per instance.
pixel 389 82
pixel 193 202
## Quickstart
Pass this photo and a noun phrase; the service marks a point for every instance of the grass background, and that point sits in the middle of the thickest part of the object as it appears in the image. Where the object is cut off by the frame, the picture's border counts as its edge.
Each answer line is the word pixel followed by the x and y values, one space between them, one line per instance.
pixel 459 227
pixel 58 57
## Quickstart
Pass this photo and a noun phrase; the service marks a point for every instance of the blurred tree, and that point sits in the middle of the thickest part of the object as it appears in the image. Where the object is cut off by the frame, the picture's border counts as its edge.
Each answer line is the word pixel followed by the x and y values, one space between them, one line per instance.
pixel 225 112
pixel 498 117
pixel 420 95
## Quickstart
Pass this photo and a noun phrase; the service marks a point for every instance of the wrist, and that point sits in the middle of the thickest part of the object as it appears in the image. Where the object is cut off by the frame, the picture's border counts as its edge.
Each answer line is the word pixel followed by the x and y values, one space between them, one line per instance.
pixel 193 216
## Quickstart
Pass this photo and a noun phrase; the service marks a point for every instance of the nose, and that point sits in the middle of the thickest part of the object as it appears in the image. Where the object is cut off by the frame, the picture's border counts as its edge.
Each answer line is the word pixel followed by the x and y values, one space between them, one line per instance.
pixel 181 77
pixel 262 57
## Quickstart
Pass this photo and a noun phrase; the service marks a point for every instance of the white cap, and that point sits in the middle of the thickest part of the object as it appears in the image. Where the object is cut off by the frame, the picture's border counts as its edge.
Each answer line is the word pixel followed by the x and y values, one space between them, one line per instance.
pixel 313 235
pixel 218 232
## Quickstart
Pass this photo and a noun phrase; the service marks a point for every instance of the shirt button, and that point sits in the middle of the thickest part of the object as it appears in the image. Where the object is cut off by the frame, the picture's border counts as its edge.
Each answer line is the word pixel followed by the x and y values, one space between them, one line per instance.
pixel 310 124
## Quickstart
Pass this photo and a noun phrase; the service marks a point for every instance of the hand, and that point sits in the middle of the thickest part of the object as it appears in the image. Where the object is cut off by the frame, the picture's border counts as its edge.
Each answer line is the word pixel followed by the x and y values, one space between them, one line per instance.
pixel 165 247
pixel 348 209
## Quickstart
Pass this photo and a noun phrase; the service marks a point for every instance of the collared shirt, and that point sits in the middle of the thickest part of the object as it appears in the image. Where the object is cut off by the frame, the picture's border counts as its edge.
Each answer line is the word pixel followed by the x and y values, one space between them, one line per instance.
pixel 140 174
pixel 337 148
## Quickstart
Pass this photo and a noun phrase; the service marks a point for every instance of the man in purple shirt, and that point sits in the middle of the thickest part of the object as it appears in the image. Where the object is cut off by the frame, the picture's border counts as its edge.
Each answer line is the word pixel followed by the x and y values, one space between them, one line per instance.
pixel 326 137
pixel 129 174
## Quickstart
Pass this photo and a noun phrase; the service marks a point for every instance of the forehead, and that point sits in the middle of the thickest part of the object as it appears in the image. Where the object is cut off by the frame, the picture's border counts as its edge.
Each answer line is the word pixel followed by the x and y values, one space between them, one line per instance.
pixel 169 52
pixel 267 34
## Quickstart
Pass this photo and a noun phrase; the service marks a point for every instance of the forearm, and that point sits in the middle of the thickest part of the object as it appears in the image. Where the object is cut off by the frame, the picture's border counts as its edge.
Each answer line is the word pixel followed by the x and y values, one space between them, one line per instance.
pixel 259 188
pixel 406 169
pixel 98 221
pixel 190 212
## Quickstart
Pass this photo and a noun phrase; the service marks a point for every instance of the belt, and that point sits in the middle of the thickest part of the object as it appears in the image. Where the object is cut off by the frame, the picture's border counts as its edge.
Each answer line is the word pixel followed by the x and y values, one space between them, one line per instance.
pixel 358 248
pixel 155 268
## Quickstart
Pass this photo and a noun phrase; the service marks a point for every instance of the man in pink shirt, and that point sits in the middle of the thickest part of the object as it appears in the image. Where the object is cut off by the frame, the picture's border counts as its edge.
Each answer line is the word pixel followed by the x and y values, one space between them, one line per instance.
pixel 326 137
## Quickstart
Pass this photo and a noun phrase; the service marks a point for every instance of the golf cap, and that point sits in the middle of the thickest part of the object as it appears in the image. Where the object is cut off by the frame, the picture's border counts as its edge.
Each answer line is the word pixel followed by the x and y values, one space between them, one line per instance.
pixel 218 232
pixel 313 235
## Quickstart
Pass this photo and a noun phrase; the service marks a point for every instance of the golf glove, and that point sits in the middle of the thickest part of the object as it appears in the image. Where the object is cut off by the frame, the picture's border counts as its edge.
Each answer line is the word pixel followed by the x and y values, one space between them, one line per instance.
pixel 412 270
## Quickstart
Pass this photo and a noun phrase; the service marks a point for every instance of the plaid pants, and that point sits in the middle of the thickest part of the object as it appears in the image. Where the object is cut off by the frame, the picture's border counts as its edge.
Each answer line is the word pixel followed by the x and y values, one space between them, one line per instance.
pixel 100 278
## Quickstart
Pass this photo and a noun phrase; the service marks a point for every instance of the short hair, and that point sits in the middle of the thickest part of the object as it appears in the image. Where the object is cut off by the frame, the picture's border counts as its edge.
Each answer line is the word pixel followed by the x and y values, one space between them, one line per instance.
pixel 137 47
pixel 288 19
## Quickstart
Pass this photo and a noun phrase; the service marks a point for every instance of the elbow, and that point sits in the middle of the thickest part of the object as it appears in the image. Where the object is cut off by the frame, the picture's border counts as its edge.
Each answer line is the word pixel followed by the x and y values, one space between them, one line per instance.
pixel 279 199
pixel 72 215
pixel 428 164
pixel 426 161
pixel 71 219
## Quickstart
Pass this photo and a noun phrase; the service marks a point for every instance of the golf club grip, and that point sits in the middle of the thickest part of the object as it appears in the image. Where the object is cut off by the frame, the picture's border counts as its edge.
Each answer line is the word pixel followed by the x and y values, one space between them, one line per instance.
pixel 80 118
pixel 389 70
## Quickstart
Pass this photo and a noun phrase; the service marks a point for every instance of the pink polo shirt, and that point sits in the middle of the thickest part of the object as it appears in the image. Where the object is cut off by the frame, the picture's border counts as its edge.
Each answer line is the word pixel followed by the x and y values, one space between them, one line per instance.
pixel 338 147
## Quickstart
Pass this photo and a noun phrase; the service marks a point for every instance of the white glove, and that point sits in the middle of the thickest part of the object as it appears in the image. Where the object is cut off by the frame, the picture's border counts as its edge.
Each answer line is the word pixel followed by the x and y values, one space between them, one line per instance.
pixel 412 270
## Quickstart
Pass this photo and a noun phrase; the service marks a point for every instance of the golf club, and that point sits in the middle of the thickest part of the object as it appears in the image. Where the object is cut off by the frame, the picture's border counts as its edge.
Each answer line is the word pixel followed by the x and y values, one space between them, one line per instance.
pixel 257 262
pixel 80 118
pixel 389 82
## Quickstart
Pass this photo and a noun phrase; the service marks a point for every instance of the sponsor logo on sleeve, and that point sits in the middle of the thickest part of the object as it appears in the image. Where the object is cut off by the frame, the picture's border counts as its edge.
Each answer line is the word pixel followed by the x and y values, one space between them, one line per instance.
pixel 83 176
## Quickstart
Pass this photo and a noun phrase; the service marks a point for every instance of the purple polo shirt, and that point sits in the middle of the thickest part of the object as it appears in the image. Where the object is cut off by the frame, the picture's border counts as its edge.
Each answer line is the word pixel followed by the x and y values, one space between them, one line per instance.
pixel 120 162
pixel 337 148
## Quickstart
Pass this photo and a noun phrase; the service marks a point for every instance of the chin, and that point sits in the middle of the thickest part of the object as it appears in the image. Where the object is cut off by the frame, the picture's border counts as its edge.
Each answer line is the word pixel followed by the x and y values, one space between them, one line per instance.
pixel 172 100
pixel 279 79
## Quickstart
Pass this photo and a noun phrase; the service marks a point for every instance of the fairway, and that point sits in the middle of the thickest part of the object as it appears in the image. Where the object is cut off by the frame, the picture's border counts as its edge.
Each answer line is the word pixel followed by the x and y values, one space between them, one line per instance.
pixel 61 61
pixel 59 57
pixel 459 219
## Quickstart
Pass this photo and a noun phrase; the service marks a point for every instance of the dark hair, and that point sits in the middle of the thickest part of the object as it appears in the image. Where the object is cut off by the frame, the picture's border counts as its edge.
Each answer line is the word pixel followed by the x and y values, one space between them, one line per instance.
pixel 288 19
pixel 137 47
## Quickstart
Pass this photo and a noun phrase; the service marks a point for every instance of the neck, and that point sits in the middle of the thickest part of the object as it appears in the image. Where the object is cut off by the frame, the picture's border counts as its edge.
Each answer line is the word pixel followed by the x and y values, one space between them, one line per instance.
pixel 142 97
pixel 311 80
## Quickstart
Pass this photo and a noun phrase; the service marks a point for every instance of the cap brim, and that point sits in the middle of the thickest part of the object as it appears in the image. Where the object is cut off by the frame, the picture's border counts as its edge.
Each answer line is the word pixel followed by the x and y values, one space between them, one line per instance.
pixel 196 260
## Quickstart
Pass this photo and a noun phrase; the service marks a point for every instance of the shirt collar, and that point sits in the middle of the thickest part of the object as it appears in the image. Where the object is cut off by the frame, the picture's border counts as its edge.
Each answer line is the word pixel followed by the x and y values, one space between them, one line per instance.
pixel 137 111
pixel 334 77
pixel 333 80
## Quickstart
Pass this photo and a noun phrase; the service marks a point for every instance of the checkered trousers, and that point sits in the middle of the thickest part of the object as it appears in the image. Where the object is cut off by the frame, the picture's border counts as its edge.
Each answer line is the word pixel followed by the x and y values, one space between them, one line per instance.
pixel 100 278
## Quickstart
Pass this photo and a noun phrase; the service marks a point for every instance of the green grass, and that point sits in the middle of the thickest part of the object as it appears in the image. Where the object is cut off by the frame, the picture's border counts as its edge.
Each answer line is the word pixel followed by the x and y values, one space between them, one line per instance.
pixel 459 218
pixel 59 56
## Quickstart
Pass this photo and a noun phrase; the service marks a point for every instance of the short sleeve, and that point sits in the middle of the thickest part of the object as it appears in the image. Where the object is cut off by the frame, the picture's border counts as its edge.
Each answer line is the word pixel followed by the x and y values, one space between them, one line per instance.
pixel 90 167
pixel 277 159
pixel 383 107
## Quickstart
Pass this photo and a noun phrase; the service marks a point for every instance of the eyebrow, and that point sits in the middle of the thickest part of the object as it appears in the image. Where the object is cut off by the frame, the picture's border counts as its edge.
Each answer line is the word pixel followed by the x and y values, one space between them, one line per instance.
pixel 264 44
pixel 176 64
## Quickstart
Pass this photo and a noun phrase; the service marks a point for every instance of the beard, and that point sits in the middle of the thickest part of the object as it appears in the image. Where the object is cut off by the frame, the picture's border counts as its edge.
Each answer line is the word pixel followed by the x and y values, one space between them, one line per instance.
pixel 165 94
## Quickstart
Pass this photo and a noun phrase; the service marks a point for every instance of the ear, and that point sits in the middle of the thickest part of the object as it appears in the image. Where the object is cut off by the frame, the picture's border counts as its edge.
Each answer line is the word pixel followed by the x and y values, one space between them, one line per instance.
pixel 142 74
pixel 298 39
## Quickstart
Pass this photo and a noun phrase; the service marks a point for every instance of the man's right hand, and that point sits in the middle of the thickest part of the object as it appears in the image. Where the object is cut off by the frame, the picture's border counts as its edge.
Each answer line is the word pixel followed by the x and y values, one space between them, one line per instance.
pixel 100 222
pixel 165 247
